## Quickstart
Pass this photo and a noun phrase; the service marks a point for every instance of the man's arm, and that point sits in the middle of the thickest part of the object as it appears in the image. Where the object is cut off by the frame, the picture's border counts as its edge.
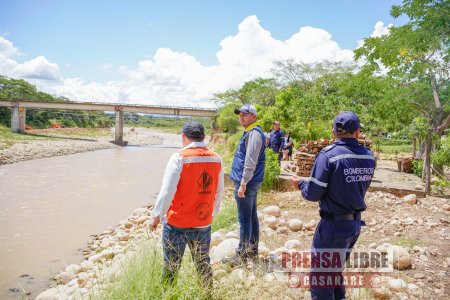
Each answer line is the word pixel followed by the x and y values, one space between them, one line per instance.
pixel 168 188
pixel 314 188
pixel 281 141
pixel 219 192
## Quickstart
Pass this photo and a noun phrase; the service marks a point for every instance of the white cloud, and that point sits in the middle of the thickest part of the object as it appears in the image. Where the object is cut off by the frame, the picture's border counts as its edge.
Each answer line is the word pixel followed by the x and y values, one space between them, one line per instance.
pixel 7 48
pixel 38 68
pixel 380 29
pixel 177 78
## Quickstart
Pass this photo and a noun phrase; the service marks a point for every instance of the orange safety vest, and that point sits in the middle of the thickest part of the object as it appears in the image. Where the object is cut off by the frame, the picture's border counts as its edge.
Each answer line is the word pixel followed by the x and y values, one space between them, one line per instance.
pixel 193 203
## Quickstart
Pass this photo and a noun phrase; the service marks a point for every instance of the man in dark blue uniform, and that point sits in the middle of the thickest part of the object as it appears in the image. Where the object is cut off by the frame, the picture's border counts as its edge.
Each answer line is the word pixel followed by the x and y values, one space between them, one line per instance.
pixel 275 139
pixel 340 177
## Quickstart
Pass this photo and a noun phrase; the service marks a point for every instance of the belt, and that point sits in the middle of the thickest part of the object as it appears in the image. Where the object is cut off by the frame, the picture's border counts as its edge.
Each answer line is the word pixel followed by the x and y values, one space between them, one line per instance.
pixel 342 217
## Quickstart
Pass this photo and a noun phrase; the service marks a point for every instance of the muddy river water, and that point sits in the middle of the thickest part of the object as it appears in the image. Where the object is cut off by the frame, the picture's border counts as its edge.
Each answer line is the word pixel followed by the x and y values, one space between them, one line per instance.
pixel 49 207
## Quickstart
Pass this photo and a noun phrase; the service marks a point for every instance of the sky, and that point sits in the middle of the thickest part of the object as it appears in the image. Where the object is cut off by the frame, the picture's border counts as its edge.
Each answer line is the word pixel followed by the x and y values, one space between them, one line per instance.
pixel 174 52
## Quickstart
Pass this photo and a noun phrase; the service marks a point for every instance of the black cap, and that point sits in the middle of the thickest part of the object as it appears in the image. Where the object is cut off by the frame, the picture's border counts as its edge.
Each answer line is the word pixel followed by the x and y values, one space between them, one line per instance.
pixel 194 130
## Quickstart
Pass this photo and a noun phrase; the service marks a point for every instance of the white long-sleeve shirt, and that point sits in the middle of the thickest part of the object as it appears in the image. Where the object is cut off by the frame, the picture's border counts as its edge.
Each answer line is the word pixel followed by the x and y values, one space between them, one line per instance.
pixel 170 182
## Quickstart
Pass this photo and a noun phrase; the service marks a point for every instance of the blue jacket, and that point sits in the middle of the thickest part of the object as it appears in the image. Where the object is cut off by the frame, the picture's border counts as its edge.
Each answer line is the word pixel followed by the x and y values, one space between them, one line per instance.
pixel 276 140
pixel 340 177
pixel 237 167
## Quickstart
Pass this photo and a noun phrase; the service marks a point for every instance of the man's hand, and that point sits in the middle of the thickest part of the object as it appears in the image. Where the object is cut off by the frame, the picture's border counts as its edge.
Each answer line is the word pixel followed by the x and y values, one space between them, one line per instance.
pixel 155 222
pixel 295 181
pixel 241 190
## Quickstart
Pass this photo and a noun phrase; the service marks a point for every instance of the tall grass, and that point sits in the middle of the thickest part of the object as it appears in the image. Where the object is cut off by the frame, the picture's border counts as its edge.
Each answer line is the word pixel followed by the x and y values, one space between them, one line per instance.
pixel 227 218
pixel 141 273
pixel 8 138
pixel 141 279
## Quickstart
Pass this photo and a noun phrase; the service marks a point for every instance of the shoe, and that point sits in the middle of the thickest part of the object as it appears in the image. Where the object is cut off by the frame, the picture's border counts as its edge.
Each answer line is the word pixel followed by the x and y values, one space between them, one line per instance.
pixel 233 261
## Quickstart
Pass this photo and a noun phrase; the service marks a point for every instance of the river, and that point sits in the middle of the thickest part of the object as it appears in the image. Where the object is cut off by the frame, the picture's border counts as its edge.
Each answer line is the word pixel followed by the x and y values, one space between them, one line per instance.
pixel 49 207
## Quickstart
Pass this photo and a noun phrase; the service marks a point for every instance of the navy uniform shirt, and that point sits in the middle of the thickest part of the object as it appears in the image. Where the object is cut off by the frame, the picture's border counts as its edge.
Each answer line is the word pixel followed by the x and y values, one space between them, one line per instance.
pixel 340 177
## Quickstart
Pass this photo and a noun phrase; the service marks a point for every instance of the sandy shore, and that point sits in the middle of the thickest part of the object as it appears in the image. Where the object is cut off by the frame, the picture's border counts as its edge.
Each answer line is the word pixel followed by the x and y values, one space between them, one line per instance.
pixel 55 142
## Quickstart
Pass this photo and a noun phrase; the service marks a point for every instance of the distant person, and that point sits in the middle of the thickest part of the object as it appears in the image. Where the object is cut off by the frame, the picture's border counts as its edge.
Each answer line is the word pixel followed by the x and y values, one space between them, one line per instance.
pixel 287 146
pixel 247 173
pixel 274 139
pixel 189 199
pixel 340 177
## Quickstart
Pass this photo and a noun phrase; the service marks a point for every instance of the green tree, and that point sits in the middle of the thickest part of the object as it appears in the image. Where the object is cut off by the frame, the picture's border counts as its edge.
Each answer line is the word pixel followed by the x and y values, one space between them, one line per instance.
pixel 257 92
pixel 417 55
pixel 227 120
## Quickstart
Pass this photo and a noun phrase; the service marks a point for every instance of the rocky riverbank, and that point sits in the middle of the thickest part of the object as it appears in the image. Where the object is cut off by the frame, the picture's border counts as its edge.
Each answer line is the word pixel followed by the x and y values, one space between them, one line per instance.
pixel 65 141
pixel 415 230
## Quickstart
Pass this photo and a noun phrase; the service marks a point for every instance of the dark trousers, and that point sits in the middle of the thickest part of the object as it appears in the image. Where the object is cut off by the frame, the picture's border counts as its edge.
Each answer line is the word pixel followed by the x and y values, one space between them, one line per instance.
pixel 337 235
pixel 174 243
pixel 248 221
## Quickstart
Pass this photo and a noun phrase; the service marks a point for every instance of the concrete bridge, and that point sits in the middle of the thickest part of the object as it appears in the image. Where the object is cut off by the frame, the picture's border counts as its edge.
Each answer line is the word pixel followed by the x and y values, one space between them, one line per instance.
pixel 18 112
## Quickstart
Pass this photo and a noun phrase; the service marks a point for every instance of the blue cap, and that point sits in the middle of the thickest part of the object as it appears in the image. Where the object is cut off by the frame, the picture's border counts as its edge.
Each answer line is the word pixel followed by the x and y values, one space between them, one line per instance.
pixel 246 109
pixel 346 122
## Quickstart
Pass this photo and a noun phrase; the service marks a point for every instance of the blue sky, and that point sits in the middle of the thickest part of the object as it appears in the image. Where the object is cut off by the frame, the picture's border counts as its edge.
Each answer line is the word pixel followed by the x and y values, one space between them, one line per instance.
pixel 102 42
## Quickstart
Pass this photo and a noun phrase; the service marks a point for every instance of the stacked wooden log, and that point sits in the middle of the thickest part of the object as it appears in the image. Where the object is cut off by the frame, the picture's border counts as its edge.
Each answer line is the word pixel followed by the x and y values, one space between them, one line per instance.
pixel 304 157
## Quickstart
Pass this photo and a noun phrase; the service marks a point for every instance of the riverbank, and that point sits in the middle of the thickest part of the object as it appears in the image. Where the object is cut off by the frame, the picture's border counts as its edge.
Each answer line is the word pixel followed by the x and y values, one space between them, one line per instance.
pixel 414 230
pixel 50 206
pixel 40 143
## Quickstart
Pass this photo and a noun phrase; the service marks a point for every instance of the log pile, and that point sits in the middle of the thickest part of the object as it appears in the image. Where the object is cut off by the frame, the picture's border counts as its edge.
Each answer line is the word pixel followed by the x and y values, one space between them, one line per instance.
pixel 306 153
pixel 304 157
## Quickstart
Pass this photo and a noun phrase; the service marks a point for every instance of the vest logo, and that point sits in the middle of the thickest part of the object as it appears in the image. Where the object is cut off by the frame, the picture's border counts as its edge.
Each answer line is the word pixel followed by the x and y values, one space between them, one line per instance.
pixel 204 181
pixel 202 210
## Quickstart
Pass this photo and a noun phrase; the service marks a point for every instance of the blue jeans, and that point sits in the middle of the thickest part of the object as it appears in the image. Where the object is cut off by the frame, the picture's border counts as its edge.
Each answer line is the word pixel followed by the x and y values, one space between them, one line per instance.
pixel 332 234
pixel 174 243
pixel 248 221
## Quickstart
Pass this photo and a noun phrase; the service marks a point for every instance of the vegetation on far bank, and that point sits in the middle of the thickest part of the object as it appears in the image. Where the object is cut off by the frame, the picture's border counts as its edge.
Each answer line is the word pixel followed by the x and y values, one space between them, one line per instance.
pixel 8 138
pixel 170 124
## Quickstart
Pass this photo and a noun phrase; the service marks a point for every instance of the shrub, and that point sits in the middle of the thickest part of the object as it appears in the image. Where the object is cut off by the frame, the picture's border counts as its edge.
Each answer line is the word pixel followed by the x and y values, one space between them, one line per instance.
pixel 417 167
pixel 227 120
pixel 271 171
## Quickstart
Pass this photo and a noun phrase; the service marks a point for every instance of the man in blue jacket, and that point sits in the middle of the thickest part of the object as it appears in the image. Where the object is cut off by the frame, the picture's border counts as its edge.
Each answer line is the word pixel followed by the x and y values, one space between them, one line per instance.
pixel 340 177
pixel 247 172
pixel 275 139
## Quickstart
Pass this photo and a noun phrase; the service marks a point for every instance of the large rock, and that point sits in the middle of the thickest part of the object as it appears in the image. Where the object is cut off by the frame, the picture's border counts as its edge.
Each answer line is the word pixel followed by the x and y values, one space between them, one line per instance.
pixel 140 220
pixel 399 257
pixel 272 210
pixel 282 230
pixel 271 222
pixel 140 211
pixel 216 238
pixel 263 251
pixel 225 249
pixel 50 294
pixel 295 225
pixel 64 277
pixel 74 269
pixel 310 226
pixel 231 235
pixel 397 285
pixel 410 199
pixel 381 293
pixel 293 244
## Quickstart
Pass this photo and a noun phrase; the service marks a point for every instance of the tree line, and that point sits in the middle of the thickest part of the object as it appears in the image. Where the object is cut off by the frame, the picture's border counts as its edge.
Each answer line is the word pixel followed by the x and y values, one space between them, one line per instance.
pixel 399 84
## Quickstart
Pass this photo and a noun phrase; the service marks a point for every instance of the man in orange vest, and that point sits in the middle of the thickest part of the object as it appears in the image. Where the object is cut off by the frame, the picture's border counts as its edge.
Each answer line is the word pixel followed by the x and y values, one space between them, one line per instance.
pixel 190 197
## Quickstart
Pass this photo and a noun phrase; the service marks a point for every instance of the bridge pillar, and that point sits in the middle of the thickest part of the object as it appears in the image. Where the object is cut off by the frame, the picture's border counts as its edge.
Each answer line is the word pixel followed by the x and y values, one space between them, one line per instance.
pixel 18 115
pixel 119 127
